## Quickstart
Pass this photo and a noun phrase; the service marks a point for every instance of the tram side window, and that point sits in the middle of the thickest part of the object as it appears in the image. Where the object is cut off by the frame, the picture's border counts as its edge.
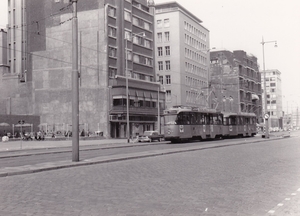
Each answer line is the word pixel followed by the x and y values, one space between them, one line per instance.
pixel 183 119
pixel 242 120
pixel 233 120
pixel 226 121
pixel 215 119
pixel 193 118
pixel 202 119
pixel 220 119
pixel 247 120
pixel 179 119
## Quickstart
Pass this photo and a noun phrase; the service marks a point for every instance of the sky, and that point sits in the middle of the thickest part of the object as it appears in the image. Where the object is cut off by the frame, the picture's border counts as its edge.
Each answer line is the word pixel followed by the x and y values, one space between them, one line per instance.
pixel 241 25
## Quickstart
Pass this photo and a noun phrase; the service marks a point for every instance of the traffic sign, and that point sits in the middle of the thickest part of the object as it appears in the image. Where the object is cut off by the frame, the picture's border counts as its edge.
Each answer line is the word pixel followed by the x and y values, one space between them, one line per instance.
pixel 267 116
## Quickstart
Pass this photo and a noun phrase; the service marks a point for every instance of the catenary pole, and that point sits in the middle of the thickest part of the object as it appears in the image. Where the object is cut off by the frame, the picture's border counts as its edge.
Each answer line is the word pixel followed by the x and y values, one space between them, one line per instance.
pixel 75 87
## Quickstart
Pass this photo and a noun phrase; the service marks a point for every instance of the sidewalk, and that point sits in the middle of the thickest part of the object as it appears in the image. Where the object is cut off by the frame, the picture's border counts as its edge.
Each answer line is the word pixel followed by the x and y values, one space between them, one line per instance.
pixel 34 144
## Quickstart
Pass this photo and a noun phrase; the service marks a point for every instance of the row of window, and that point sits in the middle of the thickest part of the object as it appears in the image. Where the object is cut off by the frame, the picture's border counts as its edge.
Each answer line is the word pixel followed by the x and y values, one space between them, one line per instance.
pixel 136 57
pixel 137 103
pixel 190 28
pixel 160 51
pixel 191 68
pixel 194 42
pixel 190 81
pixel 138 39
pixel 161 65
pixel 160 37
pixel 163 23
pixel 140 6
pixel 113 72
pixel 194 55
pixel 141 23
pixel 187 118
pixel 168 79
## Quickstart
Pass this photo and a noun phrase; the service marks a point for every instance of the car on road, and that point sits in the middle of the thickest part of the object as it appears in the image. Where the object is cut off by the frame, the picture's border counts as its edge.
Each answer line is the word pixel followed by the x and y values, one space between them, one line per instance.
pixel 150 136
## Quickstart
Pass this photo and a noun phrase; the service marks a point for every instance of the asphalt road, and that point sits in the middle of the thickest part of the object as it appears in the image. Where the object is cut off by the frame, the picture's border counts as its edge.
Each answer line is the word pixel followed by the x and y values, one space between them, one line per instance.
pixel 252 179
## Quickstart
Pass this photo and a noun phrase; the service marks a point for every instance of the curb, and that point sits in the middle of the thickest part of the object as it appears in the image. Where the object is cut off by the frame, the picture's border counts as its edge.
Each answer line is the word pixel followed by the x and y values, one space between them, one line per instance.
pixel 28 169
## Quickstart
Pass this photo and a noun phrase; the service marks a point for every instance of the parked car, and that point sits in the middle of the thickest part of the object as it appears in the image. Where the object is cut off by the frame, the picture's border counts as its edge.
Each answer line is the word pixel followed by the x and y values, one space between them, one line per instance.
pixel 150 136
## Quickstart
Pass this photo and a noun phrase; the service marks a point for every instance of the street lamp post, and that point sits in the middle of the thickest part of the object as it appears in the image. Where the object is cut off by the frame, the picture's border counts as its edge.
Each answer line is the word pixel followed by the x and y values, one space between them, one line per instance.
pixel 126 75
pixel 265 87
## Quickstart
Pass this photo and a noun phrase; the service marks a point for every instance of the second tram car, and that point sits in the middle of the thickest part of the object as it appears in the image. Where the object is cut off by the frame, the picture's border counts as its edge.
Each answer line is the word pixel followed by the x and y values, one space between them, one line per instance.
pixel 239 124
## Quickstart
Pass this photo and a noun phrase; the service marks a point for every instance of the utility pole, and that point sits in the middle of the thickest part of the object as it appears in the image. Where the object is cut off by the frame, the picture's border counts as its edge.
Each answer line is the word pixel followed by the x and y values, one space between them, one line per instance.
pixel 75 85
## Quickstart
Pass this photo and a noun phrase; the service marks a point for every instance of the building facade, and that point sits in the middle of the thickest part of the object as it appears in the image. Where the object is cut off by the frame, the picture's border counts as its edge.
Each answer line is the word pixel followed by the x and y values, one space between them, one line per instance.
pixel 115 36
pixel 235 82
pixel 274 97
pixel 181 54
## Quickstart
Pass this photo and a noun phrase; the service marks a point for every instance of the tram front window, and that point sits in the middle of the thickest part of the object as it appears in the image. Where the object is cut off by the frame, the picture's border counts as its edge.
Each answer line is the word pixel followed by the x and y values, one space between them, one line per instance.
pixel 170 119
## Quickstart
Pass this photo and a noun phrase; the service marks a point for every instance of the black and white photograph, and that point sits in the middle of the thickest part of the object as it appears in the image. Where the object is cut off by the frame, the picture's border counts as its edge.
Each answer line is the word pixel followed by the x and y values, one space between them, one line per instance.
pixel 149 108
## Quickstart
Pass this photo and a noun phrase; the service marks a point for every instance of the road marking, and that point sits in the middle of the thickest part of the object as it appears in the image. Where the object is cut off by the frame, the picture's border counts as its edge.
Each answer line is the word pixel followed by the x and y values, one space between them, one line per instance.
pixel 280 204
pixel 271 212
pixel 293 194
pixel 206 209
pixel 287 199
pixel 298 189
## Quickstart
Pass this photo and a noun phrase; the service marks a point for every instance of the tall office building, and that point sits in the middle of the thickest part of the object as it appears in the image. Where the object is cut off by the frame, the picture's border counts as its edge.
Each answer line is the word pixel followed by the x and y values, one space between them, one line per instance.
pixel 181 54
pixel 274 97
pixel 115 36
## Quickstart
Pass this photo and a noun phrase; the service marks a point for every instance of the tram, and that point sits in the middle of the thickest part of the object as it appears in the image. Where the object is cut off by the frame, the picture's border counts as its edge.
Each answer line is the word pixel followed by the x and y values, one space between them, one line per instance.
pixel 184 123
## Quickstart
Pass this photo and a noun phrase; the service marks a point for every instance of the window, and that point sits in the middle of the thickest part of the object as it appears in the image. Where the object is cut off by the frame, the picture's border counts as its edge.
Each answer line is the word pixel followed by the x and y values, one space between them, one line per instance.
pixel 161 79
pixel 168 65
pixel 273 84
pixel 159 37
pixel 168 95
pixel 112 72
pixel 112 12
pixel 112 52
pixel 127 35
pixel 136 58
pixel 167 36
pixel 147 43
pixel 168 79
pixel 160 65
pixel 159 23
pixel 167 48
pixel 135 21
pixel 129 55
pixel 127 16
pixel 147 25
pixel 166 23
pixel 137 40
pixel 112 31
pixel 159 51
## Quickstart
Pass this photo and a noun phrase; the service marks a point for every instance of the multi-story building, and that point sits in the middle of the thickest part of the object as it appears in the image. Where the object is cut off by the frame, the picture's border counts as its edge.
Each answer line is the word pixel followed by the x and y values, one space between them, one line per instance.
pixel 40 81
pixel 274 96
pixel 235 82
pixel 181 54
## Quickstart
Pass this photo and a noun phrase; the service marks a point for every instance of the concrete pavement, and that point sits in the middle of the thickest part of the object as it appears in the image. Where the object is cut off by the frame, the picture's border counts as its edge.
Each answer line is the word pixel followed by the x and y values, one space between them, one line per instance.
pixel 16 145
